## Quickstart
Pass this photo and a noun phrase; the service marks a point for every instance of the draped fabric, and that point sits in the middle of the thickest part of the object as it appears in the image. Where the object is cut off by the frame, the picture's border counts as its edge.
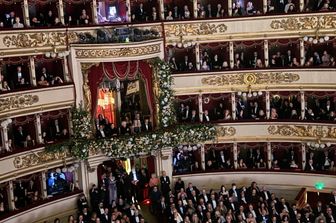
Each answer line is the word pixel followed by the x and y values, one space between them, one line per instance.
pixel 122 71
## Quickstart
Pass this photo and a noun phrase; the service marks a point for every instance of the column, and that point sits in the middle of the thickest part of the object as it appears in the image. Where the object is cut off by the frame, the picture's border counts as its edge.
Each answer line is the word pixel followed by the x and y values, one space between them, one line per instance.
pixel 235 155
pixel 4 134
pixel 161 8
pixel 198 58
pixel 66 73
pixel 70 122
pixel 266 52
pixel 233 105
pixel 203 157
pixel 38 129
pixel 61 11
pixel 80 175
pixel 26 19
pixel 230 7
pixel 200 106
pixel 302 52
pixel 302 5
pixel 303 105
pixel 303 152
pixel 269 155
pixel 195 8
pixel 264 6
pixel 231 54
pixel 129 12
pixel 158 168
pixel 10 192
pixel 32 72
pixel 268 105
pixel 94 12
pixel 44 185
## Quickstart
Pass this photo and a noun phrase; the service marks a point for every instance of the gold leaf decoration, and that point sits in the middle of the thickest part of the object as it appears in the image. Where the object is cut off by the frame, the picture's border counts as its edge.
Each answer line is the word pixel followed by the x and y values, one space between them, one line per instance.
pixel 225 131
pixel 119 52
pixel 305 23
pixel 303 131
pixel 40 39
pixel 38 158
pixel 194 29
pixel 17 101
pixel 250 78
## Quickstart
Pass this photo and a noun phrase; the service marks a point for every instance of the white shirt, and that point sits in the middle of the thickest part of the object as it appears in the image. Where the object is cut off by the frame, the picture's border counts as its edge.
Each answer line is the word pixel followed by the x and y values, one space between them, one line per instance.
pixel 101 132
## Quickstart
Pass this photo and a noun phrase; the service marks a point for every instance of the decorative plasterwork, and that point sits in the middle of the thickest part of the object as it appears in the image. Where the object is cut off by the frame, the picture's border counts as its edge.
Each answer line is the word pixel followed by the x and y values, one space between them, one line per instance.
pixel 39 39
pixel 305 23
pixel 303 131
pixel 194 29
pixel 250 78
pixel 225 131
pixel 119 52
pixel 86 89
pixel 17 101
pixel 38 158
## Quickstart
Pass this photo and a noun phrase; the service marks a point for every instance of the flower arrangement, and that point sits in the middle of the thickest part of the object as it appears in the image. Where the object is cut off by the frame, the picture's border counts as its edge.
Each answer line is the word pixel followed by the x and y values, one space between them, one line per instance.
pixel 165 98
pixel 168 135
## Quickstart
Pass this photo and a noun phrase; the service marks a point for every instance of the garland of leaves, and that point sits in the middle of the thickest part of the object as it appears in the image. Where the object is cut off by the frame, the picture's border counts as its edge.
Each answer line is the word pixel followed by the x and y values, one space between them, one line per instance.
pixel 169 135
pixel 166 94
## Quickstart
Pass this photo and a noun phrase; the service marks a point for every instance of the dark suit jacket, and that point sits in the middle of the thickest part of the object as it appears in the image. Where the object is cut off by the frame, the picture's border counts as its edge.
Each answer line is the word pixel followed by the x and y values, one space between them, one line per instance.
pixel 165 184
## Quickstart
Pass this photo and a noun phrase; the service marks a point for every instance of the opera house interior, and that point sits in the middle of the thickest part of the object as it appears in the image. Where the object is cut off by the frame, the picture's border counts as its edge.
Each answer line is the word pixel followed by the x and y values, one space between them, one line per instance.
pixel 168 111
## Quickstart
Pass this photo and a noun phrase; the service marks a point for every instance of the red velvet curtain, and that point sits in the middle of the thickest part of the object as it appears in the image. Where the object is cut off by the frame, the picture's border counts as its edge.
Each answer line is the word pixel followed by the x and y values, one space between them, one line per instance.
pixel 122 71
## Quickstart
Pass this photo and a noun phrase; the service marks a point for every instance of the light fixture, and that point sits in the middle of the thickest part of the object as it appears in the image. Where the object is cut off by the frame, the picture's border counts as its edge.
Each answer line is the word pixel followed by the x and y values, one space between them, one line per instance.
pixel 316 145
pixel 54 53
pixel 183 43
pixel 249 92
pixel 317 38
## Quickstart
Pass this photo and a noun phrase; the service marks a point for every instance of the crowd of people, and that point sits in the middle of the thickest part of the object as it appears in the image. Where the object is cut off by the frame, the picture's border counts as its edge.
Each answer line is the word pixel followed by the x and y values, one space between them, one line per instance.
pixel 254 108
pixel 21 79
pixel 187 159
pixel 149 11
pixel 213 60
pixel 23 137
pixel 43 19
pixel 105 129
pixel 245 204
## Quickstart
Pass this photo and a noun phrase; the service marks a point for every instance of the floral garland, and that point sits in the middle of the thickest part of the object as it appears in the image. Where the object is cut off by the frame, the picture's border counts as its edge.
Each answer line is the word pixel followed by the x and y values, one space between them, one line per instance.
pixel 166 94
pixel 169 135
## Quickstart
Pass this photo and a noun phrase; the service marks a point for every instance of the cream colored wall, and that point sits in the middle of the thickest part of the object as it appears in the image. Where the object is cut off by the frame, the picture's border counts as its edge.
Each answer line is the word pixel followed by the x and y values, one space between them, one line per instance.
pixel 316 79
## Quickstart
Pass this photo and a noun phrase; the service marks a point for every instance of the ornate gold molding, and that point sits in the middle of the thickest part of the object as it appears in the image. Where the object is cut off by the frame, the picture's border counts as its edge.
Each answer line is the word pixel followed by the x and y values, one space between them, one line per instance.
pixel 194 29
pixel 39 39
pixel 118 52
pixel 85 67
pixel 38 158
pixel 17 101
pixel 316 131
pixel 225 131
pixel 250 78
pixel 305 23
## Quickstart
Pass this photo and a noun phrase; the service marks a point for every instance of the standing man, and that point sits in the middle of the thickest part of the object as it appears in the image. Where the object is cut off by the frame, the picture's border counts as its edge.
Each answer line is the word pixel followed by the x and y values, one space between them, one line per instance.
pixel 165 184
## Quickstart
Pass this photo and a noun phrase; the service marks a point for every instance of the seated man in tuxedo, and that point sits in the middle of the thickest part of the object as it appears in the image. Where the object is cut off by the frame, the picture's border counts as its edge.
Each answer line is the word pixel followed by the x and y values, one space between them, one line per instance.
pixel 124 129
pixel 101 134
pixel 194 116
pixel 19 78
pixel 48 77
pixel 147 126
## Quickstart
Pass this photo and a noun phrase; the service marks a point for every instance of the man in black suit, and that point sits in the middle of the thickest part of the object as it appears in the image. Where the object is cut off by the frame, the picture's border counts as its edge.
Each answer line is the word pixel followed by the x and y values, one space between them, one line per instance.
pixel 288 60
pixel 155 197
pixel 105 217
pixel 194 116
pixel 101 134
pixel 231 204
pixel 221 160
pixel 184 66
pixel 310 166
pixel 332 200
pixel 330 216
pixel 265 194
pixel 206 116
pixel 234 192
pixel 165 184
pixel 147 126
pixel 56 129
pixel 20 137
pixel 46 75
pixel 179 185
pixel 9 19
pixel 140 13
